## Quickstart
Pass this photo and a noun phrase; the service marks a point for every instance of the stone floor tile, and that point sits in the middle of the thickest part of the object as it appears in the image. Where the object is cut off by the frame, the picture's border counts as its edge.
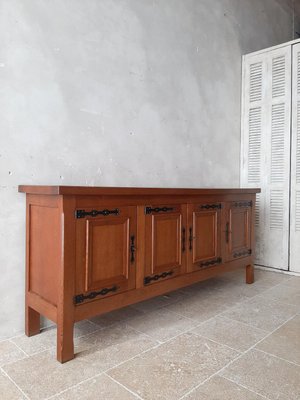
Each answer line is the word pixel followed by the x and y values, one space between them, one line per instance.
pixel 265 374
pixel 41 376
pixel 262 312
pixel 285 341
pixel 47 338
pixel 9 352
pixel 285 293
pixel 99 387
pixel 162 324
pixel 232 333
pixel 174 368
pixel 159 301
pixel 9 391
pixel 196 308
pixel 270 278
pixel 293 281
pixel 219 388
pixel 123 315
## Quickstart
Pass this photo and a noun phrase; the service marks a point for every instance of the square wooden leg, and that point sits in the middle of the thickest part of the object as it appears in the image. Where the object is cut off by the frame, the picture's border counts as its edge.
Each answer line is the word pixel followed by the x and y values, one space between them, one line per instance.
pixel 65 342
pixel 32 322
pixel 249 274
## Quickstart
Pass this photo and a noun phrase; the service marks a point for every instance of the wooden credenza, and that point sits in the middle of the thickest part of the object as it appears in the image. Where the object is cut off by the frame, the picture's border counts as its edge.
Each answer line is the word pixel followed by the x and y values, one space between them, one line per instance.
pixel 90 250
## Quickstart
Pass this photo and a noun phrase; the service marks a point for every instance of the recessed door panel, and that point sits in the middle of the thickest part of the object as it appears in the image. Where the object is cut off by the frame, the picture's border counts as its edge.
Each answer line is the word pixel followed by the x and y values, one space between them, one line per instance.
pixel 238 230
pixel 164 242
pixel 204 236
pixel 107 255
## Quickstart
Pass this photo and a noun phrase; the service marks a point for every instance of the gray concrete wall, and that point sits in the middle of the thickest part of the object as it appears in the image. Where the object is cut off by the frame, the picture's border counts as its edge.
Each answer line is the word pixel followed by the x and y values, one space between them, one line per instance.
pixel 119 92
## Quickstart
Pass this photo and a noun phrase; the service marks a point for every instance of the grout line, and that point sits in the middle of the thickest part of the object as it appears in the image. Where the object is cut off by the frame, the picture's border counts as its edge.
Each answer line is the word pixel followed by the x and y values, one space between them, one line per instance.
pixel 73 386
pixel 15 384
pixel 280 358
pixel 220 344
pixel 23 351
pixel 245 387
pixel 103 372
pixel 234 360
pixel 124 387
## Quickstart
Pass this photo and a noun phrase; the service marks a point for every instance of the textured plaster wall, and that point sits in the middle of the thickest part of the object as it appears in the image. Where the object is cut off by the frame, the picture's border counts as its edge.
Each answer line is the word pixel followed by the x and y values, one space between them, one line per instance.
pixel 119 92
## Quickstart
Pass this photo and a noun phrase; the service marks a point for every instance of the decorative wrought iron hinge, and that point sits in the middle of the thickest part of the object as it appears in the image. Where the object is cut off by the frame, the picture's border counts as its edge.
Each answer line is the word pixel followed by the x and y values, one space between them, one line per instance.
pixel 242 253
pixel 95 213
pixel 211 206
pixel 149 279
pixel 211 262
pixel 80 298
pixel 149 210
pixel 243 204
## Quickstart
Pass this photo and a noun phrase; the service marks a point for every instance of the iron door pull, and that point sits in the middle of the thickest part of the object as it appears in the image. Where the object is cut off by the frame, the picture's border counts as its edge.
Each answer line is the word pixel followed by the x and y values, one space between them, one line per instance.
pixel 132 249
pixel 227 232
pixel 191 239
pixel 183 240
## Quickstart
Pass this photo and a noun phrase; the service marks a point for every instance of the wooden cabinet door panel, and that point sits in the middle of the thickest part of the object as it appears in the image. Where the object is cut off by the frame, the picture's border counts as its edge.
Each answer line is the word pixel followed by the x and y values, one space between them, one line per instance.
pixel 204 236
pixel 163 248
pixel 106 252
pixel 238 230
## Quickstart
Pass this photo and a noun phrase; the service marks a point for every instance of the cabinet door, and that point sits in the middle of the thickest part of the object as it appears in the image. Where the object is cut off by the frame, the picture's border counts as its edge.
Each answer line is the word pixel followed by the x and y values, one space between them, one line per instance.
pixel 105 245
pixel 204 236
pixel 164 242
pixel 238 230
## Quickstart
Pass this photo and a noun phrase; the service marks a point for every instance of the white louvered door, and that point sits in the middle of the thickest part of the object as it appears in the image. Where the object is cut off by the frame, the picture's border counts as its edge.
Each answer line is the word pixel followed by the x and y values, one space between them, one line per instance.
pixel 254 113
pixel 266 150
pixel 295 165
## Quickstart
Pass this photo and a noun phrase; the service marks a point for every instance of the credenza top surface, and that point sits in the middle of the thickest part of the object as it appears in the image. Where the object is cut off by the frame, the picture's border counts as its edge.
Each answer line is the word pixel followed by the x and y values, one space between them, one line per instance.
pixel 130 191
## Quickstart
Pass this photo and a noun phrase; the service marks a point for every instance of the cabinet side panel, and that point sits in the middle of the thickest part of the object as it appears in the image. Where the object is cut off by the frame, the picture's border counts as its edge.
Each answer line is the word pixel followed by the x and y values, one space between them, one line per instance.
pixel 44 251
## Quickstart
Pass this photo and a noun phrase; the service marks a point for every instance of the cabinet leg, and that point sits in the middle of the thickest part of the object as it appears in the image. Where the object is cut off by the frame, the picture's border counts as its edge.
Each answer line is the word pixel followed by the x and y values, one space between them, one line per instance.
pixel 65 342
pixel 32 322
pixel 249 274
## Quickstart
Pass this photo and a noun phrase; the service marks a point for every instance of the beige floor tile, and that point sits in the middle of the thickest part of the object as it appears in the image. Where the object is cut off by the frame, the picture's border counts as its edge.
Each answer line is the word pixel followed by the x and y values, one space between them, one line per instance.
pixel 232 333
pixel 162 324
pixel 270 278
pixel 262 312
pixel 123 315
pixel 285 293
pixel 218 388
pixel 41 376
pixel 293 281
pixel 8 391
pixel 9 352
pixel 101 387
pixel 159 301
pixel 285 342
pixel 172 369
pixel 266 375
pixel 47 338
pixel 199 309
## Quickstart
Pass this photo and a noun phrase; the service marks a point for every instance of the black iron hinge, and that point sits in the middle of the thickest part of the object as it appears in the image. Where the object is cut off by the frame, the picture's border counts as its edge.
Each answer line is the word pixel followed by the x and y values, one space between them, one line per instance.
pixel 242 253
pixel 210 262
pixel 149 279
pixel 95 213
pixel 211 206
pixel 80 298
pixel 243 204
pixel 149 210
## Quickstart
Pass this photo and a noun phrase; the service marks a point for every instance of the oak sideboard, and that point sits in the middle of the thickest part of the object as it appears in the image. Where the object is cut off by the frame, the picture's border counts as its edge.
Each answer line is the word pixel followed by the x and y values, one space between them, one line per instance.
pixel 91 250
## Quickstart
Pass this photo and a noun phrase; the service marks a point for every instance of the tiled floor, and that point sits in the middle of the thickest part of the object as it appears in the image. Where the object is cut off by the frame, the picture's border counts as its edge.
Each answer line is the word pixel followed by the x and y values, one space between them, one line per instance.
pixel 216 340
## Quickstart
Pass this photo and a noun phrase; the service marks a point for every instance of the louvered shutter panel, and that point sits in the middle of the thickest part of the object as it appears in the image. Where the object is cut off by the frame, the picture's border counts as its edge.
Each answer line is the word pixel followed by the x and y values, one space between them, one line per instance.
pixel 253 120
pixel 265 150
pixel 295 165
pixel 278 159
